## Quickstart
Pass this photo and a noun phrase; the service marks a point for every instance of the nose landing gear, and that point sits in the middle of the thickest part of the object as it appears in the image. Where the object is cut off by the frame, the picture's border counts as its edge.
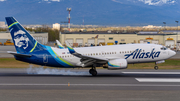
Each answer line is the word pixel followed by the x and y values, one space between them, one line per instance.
pixel 156 67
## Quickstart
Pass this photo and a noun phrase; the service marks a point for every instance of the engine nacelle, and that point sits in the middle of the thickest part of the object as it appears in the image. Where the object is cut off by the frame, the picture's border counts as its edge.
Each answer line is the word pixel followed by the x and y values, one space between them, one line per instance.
pixel 117 64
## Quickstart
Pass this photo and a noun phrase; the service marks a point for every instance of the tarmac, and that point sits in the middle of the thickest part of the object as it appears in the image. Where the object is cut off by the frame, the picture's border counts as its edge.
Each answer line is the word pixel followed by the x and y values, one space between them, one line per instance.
pixel 119 85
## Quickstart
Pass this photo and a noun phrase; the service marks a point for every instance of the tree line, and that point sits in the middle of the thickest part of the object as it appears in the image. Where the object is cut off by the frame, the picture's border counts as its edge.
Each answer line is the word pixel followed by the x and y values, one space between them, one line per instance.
pixel 53 34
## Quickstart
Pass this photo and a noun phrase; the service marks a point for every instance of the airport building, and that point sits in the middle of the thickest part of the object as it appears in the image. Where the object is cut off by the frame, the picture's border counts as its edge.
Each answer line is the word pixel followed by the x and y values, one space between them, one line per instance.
pixel 56 26
pixel 2 24
pixel 166 38
pixel 40 37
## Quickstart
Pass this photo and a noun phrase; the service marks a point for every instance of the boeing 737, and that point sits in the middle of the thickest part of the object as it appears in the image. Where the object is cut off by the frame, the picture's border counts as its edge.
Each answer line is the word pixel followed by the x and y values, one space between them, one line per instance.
pixel 112 57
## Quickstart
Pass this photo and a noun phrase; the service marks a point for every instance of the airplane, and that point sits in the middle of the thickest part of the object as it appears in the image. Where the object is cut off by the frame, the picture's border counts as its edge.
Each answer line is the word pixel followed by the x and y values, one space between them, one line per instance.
pixel 95 37
pixel 113 57
pixel 59 44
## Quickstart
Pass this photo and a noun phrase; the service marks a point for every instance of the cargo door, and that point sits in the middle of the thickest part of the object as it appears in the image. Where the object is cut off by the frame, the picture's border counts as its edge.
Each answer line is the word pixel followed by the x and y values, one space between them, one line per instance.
pixel 70 41
pixel 80 42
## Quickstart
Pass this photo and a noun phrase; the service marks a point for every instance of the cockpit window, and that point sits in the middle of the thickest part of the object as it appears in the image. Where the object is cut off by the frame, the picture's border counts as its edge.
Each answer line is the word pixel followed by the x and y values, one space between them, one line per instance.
pixel 163 48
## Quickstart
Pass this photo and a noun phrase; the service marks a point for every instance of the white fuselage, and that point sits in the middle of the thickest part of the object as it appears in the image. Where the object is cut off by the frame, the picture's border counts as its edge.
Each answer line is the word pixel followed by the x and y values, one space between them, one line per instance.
pixel 134 53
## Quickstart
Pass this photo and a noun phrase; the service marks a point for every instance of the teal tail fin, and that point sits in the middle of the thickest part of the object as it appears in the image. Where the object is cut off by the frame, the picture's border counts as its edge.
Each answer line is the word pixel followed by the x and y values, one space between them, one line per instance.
pixel 23 41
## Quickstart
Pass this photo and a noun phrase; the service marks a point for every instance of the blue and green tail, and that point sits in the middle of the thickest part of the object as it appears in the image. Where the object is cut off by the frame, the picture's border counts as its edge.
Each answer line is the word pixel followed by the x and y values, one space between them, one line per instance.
pixel 23 41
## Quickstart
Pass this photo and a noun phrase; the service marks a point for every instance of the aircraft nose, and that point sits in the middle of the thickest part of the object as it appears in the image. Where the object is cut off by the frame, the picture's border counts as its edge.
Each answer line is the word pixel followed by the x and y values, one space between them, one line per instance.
pixel 172 53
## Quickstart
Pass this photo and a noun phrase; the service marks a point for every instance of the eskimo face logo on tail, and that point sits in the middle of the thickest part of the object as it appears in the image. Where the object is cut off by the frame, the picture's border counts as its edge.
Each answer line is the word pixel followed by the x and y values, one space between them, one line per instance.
pixel 21 40
pixel 137 54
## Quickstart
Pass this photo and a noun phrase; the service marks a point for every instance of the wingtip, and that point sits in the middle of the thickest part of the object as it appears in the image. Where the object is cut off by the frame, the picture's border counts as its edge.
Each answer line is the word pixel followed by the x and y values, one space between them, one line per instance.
pixel 67 44
pixel 71 50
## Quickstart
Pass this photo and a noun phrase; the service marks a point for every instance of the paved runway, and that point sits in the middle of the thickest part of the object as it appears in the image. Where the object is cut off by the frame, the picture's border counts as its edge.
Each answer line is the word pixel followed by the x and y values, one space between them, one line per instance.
pixel 77 85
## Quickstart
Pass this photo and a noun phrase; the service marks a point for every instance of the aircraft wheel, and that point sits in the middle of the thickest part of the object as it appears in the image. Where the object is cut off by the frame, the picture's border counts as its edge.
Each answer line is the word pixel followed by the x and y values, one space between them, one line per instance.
pixel 94 72
pixel 156 67
pixel 90 71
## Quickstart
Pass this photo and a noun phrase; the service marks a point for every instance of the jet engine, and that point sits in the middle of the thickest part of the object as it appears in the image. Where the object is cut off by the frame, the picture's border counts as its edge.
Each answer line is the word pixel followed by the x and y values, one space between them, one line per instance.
pixel 117 64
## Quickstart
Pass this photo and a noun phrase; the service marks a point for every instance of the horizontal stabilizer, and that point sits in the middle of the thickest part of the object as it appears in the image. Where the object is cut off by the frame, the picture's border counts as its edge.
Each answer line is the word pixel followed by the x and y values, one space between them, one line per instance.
pixel 18 54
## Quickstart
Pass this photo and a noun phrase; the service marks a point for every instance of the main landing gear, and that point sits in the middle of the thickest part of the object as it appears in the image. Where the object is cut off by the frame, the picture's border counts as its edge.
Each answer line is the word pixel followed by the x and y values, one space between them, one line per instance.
pixel 93 71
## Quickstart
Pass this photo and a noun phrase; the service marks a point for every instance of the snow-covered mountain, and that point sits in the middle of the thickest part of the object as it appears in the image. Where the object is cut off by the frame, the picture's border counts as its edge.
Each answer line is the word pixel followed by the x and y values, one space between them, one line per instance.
pixel 96 12
pixel 149 2
pixel 158 2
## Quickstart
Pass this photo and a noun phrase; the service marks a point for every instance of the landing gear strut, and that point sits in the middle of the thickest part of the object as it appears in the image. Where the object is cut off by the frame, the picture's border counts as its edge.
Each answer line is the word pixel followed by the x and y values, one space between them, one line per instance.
pixel 93 71
pixel 156 67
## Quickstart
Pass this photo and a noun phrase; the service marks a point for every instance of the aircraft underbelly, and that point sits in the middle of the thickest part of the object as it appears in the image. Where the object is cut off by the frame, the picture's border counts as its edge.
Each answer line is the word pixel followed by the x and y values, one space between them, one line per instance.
pixel 142 60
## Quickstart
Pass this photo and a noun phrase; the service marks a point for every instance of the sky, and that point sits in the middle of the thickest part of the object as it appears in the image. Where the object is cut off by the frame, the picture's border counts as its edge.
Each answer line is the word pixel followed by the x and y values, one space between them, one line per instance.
pixel 93 12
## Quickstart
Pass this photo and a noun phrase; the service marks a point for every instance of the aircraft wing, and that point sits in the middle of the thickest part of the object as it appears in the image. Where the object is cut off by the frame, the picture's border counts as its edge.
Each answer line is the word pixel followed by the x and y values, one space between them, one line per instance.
pixel 18 54
pixel 85 60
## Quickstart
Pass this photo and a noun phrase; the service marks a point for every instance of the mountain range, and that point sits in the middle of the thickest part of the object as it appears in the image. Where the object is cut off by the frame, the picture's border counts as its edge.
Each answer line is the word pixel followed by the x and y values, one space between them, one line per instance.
pixel 94 12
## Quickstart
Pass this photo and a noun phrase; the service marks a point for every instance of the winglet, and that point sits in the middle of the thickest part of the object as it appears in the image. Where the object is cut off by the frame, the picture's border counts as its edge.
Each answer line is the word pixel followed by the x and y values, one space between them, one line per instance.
pixel 59 45
pixel 71 50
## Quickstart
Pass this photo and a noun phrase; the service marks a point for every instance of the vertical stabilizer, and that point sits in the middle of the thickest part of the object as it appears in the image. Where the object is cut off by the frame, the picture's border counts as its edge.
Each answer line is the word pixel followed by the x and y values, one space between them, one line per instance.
pixel 23 41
